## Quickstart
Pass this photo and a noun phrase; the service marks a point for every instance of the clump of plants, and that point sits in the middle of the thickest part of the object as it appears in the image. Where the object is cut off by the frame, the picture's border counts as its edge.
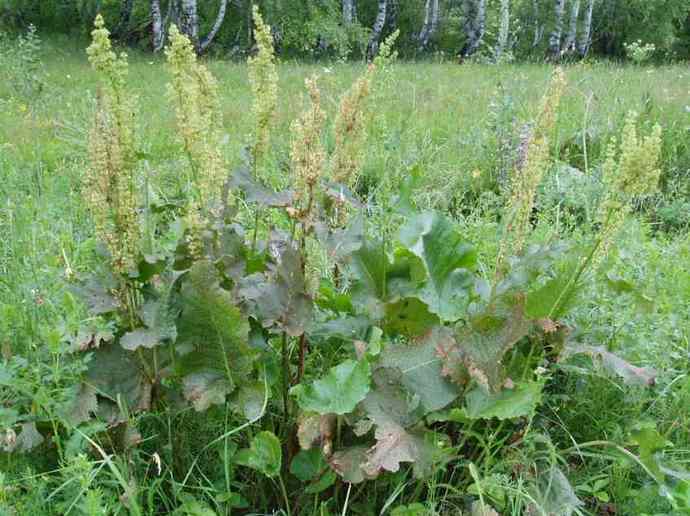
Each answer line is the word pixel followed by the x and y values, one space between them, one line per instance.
pixel 338 355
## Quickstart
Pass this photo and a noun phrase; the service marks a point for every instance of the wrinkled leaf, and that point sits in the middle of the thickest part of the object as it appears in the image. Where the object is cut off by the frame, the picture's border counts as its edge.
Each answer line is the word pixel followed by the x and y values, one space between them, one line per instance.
pixel 349 464
pixel 263 455
pixel 212 342
pixel 448 260
pixel 85 403
pixel 506 404
pixel 555 495
pixel 394 445
pixel 420 369
pixel 29 438
pixel 338 392
pixel 614 365
pixel 279 299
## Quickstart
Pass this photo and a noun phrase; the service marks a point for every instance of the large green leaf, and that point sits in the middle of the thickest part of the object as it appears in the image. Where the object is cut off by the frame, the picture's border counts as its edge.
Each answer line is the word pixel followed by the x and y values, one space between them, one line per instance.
pixel 448 260
pixel 370 264
pixel 507 404
pixel 116 374
pixel 420 371
pixel 481 345
pixel 278 299
pixel 212 343
pixel 263 455
pixel 338 392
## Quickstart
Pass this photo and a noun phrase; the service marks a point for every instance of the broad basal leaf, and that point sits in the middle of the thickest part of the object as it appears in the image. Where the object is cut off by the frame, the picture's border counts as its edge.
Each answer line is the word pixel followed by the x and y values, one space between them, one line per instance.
pixel 370 265
pixel 263 455
pixel 255 192
pixel 554 494
pixel 116 373
pixel 338 392
pixel 212 339
pixel 279 299
pixel 507 404
pixel 349 464
pixel 409 317
pixel 482 344
pixel 28 438
pixel 394 445
pixel 612 364
pixel 650 442
pixel 420 371
pixel 448 260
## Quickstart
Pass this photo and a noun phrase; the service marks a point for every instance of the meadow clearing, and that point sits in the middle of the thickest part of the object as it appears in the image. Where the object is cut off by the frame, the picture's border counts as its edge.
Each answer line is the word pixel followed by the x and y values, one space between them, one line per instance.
pixel 567 428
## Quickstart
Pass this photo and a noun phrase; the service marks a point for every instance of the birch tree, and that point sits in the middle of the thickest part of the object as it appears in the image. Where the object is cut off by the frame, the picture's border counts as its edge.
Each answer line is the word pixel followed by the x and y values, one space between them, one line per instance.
pixel 474 25
pixel 503 29
pixel 379 23
pixel 538 27
pixel 349 13
pixel 586 35
pixel 571 37
pixel 431 16
pixel 189 21
pixel 216 26
pixel 555 38
pixel 158 38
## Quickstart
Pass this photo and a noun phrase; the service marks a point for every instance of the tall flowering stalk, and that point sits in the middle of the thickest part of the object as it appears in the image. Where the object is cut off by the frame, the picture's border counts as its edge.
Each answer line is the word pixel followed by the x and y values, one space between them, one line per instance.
pixel 263 78
pixel 111 183
pixel 307 152
pixel 631 170
pixel 533 163
pixel 350 131
pixel 194 93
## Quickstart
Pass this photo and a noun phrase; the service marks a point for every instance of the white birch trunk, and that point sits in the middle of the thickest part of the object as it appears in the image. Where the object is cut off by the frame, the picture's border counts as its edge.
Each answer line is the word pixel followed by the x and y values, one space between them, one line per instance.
pixel 431 16
pixel 586 36
pixel 189 21
pixel 216 26
pixel 503 28
pixel 571 38
pixel 373 47
pixel 348 12
pixel 538 28
pixel 158 38
pixel 555 38
pixel 475 25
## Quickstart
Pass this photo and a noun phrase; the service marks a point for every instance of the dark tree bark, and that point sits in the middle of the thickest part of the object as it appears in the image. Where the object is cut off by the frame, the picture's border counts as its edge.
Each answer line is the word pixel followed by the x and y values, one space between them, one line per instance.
pixel 125 15
pixel 375 39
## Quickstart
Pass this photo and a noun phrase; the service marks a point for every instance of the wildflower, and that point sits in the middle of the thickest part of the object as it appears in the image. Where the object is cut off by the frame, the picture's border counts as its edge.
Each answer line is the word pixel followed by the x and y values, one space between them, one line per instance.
pixel 110 184
pixel 194 92
pixel 534 161
pixel 630 170
pixel 263 78
pixel 307 152
pixel 350 132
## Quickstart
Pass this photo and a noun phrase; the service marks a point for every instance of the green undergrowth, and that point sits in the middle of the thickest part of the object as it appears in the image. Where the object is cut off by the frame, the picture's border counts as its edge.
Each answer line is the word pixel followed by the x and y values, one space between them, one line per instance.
pixel 399 360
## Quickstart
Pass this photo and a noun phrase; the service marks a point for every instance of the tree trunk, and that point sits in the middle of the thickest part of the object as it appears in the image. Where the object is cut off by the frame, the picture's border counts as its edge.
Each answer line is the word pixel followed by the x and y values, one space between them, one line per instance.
pixel 474 26
pixel 373 46
pixel 431 15
pixel 538 28
pixel 555 39
pixel 216 26
pixel 503 29
pixel 158 37
pixel 348 12
pixel 586 36
pixel 125 16
pixel 189 21
pixel 571 38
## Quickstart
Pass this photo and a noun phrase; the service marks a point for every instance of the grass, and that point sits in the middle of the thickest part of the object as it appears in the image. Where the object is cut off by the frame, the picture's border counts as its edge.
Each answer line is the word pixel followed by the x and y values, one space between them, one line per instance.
pixel 431 121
